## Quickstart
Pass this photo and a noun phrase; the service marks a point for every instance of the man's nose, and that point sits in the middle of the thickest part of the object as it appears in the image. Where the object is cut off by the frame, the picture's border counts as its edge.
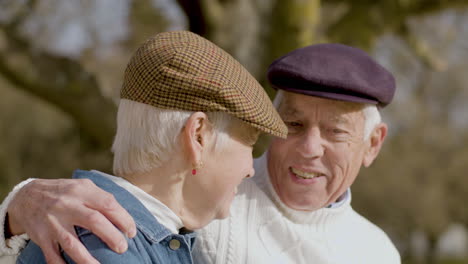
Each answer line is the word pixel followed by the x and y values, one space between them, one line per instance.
pixel 311 145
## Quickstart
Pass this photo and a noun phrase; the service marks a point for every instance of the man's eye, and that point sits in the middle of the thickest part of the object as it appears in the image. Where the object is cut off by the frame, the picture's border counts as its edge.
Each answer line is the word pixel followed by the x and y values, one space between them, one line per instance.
pixel 293 127
pixel 337 134
pixel 338 131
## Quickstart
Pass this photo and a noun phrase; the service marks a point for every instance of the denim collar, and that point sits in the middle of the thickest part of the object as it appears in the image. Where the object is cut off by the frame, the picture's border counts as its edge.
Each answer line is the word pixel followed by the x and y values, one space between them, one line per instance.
pixel 144 220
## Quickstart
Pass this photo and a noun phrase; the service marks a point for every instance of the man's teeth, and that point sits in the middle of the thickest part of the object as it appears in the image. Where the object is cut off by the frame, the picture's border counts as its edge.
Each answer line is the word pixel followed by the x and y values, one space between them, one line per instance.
pixel 304 175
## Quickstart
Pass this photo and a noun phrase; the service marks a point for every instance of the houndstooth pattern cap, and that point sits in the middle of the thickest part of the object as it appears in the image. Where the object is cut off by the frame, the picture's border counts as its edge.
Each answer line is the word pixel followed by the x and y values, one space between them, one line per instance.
pixel 184 71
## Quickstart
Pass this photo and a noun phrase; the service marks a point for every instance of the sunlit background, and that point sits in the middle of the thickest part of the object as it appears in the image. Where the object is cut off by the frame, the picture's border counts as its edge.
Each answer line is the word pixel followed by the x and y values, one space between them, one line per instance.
pixel 61 65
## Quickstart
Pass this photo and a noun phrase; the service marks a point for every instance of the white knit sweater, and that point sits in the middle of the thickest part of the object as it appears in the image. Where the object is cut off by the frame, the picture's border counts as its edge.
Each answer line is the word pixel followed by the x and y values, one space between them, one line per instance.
pixel 262 229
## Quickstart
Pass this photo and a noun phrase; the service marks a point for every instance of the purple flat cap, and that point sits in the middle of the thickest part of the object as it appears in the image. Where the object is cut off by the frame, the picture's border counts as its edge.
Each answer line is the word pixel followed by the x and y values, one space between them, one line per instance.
pixel 333 71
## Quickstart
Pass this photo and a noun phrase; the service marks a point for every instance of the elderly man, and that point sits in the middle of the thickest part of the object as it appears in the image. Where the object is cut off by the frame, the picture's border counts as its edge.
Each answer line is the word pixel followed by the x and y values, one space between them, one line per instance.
pixel 297 208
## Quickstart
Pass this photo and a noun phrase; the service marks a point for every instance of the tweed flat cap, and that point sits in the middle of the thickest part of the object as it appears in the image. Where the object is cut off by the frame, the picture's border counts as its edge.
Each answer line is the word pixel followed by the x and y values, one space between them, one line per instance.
pixel 333 71
pixel 183 71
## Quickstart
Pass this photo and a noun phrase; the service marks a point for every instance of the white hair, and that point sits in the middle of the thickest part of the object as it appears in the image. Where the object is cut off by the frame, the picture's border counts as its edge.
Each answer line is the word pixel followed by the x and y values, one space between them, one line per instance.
pixel 147 136
pixel 372 118
pixel 371 114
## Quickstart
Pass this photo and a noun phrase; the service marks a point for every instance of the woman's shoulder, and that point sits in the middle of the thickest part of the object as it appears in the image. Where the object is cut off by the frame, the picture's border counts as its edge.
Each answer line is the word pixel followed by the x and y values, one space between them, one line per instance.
pixel 102 253
pixel 32 253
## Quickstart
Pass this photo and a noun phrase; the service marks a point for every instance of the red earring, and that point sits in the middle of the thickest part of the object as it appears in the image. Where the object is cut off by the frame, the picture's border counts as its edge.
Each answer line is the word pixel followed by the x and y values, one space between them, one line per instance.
pixel 198 166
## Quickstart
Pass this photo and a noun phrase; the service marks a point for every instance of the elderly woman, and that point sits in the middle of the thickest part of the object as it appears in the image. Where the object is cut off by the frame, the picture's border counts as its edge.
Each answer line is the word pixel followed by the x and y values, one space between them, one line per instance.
pixel 188 117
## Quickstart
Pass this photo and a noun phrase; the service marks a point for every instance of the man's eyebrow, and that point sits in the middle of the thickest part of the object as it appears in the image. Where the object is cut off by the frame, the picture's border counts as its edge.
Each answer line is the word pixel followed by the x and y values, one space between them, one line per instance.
pixel 289 111
pixel 339 120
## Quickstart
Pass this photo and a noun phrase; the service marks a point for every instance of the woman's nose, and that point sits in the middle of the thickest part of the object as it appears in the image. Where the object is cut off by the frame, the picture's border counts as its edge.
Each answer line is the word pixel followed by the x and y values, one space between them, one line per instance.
pixel 251 174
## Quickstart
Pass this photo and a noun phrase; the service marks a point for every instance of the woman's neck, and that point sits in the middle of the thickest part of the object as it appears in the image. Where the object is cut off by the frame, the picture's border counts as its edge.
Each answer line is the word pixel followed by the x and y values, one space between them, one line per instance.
pixel 170 187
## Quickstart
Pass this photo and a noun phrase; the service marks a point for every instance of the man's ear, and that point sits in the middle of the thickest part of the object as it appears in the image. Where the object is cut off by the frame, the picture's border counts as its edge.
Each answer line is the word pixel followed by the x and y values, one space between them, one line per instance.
pixel 374 144
pixel 196 134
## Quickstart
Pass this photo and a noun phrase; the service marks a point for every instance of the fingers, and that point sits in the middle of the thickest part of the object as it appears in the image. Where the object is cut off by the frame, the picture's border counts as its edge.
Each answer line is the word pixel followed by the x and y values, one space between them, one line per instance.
pixel 99 225
pixel 106 204
pixel 51 253
pixel 68 241
pixel 74 248
pixel 101 214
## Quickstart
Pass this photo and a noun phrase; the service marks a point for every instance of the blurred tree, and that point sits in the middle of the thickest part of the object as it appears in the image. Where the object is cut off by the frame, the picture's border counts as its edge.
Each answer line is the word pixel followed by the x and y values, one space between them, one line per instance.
pixel 254 32
pixel 70 80
pixel 363 21
pixel 67 59
pixel 419 173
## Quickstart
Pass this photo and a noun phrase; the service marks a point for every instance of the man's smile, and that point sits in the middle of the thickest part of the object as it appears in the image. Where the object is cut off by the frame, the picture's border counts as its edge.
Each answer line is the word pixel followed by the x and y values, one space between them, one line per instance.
pixel 303 174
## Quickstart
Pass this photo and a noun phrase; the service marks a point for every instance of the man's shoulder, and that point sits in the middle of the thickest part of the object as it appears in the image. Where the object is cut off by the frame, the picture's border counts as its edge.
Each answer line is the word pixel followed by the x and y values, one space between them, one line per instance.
pixel 370 237
pixel 365 224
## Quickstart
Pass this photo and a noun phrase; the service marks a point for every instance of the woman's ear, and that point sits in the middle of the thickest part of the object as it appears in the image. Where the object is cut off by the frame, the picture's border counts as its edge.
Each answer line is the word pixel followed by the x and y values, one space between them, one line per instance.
pixel 374 144
pixel 196 133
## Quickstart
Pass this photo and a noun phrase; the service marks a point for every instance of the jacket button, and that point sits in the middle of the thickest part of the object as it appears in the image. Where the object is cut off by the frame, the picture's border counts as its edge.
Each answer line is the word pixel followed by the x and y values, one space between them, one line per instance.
pixel 174 244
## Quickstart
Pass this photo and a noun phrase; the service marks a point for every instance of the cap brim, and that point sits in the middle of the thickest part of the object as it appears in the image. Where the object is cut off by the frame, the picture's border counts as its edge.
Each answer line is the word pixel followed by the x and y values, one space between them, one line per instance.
pixel 332 95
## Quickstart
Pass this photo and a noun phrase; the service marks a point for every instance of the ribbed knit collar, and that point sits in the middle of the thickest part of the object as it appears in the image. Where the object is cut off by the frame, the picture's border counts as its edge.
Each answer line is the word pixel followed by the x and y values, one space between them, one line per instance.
pixel 262 180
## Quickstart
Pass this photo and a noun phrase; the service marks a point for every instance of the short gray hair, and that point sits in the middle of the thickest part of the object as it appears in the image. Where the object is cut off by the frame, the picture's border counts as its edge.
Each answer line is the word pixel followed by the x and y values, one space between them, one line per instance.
pixel 371 114
pixel 147 136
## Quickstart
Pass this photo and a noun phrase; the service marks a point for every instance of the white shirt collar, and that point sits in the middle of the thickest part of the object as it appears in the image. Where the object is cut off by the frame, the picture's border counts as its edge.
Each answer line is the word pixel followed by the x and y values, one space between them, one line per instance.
pixel 160 211
pixel 341 200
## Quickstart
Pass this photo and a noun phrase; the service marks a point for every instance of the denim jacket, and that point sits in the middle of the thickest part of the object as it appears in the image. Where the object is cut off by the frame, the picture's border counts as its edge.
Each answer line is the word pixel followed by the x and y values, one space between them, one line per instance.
pixel 152 244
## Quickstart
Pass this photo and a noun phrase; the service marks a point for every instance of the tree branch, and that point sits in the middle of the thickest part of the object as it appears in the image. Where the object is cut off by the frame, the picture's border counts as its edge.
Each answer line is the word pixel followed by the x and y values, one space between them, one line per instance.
pixel 59 81
pixel 195 15
pixel 422 50
pixel 366 20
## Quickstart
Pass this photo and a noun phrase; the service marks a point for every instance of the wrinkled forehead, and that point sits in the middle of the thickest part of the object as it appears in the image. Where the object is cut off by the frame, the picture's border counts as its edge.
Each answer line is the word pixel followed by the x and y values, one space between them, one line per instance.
pixel 294 104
